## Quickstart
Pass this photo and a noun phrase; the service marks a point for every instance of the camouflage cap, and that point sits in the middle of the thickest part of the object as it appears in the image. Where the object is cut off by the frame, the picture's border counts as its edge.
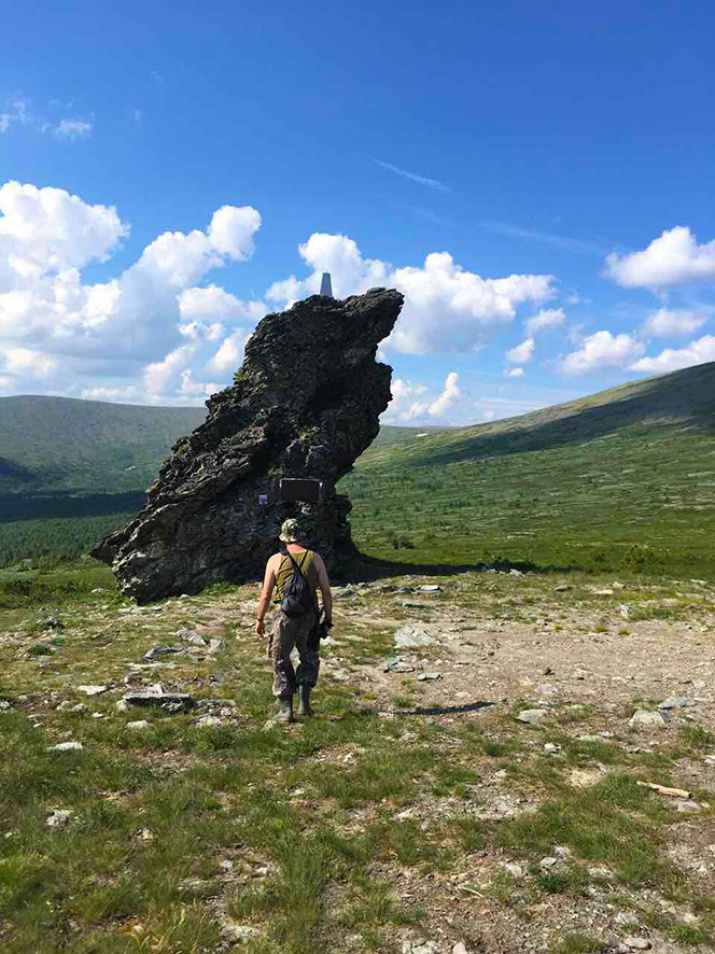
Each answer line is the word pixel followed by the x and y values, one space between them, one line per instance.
pixel 290 531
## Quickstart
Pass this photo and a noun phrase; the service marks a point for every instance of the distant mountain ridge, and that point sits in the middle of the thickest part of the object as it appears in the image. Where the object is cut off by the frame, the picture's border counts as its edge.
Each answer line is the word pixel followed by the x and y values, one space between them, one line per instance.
pixel 57 445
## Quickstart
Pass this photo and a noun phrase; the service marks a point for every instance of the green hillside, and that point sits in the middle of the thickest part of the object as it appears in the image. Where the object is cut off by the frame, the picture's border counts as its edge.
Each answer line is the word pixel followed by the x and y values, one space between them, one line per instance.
pixel 63 444
pixel 621 479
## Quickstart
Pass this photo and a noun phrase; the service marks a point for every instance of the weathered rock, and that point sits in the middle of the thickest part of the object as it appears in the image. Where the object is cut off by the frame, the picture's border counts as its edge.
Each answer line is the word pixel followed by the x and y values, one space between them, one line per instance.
pixel 535 717
pixel 408 636
pixel 637 943
pixel 171 701
pixel 59 818
pixel 647 717
pixel 676 702
pixel 156 652
pixel 92 690
pixel 306 404
pixel 66 747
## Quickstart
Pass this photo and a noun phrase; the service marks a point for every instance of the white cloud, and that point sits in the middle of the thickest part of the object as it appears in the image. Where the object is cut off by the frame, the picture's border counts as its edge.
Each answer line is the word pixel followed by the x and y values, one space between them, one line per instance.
pixel 671 359
pixel 447 308
pixel 26 361
pixel 413 402
pixel 672 259
pixel 72 129
pixel 514 372
pixel 522 353
pixel 675 321
pixel 546 318
pixel 155 313
pixel 602 350
pixel 447 398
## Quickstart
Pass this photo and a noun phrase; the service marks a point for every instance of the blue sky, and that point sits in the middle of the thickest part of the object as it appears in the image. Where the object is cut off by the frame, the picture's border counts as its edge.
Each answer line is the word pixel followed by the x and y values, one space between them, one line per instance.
pixel 499 163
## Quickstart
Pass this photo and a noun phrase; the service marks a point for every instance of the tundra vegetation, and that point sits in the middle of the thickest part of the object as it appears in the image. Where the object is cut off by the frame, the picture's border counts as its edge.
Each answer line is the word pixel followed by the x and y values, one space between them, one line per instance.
pixel 536 773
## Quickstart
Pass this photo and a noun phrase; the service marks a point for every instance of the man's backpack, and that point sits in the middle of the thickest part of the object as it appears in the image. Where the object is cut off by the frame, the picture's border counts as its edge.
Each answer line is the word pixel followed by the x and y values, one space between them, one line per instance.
pixel 298 597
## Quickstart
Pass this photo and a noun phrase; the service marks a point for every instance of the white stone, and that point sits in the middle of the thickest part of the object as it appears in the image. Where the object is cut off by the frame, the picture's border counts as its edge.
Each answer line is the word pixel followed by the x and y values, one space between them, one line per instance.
pixel 92 690
pixel 66 747
pixel 638 943
pixel 58 819
pixel 533 717
pixel 647 717
pixel 140 724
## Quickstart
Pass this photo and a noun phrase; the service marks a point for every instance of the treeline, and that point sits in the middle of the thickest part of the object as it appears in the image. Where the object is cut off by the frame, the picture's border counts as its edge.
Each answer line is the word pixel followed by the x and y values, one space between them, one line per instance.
pixel 50 542
pixel 47 506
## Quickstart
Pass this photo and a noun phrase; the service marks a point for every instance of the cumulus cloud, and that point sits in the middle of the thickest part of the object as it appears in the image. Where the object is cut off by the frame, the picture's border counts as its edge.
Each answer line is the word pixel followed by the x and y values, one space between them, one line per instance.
pixel 672 359
pixel 414 402
pixel 602 350
pixel 522 353
pixel 447 307
pixel 514 372
pixel 672 259
pixel 544 319
pixel 155 313
pixel 675 321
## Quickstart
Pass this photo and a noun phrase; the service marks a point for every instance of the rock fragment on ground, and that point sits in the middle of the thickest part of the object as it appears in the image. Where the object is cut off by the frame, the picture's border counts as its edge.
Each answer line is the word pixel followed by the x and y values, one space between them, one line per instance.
pixel 409 636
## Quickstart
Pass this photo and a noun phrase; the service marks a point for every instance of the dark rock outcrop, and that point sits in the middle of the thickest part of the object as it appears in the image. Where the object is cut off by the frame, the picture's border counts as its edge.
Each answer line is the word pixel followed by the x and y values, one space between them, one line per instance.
pixel 306 403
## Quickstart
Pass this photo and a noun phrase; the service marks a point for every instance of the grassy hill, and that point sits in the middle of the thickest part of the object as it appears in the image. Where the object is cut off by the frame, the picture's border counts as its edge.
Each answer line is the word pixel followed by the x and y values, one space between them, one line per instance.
pixel 52 444
pixel 624 478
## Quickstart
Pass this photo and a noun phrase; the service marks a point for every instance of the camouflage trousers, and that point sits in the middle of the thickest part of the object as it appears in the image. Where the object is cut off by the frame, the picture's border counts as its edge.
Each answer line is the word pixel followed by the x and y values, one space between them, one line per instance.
pixel 286 634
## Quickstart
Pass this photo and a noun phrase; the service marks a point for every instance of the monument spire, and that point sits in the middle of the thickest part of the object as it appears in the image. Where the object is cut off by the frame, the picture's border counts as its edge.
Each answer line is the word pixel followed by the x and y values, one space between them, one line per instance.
pixel 326 285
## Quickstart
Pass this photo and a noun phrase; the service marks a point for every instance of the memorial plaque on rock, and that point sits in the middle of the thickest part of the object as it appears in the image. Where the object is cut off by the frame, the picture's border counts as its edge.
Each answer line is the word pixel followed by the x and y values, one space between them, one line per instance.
pixel 301 490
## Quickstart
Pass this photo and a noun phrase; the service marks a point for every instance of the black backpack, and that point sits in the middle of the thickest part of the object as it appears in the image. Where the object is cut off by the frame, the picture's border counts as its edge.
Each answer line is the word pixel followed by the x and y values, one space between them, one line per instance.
pixel 298 597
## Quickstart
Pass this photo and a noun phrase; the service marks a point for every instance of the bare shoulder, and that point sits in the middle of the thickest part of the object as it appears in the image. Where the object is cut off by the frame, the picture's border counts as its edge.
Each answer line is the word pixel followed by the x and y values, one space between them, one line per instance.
pixel 318 560
pixel 274 562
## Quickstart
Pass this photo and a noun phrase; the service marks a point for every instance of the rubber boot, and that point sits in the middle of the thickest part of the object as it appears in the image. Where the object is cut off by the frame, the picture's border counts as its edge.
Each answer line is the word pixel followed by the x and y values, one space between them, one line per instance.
pixel 285 711
pixel 304 703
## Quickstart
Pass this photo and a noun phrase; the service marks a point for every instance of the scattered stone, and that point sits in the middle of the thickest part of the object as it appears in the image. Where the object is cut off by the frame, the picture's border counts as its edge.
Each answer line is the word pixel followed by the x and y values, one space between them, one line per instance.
pixel 585 778
pixel 216 646
pixel 604 592
pixel 239 933
pixel 60 818
pixel 52 623
pixel 687 805
pixel 419 947
pixel 515 870
pixel 551 748
pixel 601 874
pixel 563 852
pixel 429 676
pixel 145 834
pixel 535 717
pixel 626 920
pixel 395 664
pixel 79 708
pixel 625 610
pixel 563 587
pixel 409 636
pixel 546 864
pixel 98 715
pixel 207 722
pixel 4 705
pixel 157 651
pixel 637 943
pixel 140 724
pixel 515 573
pixel 676 702
pixel 93 690
pixel 190 636
pixel 66 747
pixel 459 948
pixel 647 717
pixel 429 588
pixel 170 701
pixel 226 865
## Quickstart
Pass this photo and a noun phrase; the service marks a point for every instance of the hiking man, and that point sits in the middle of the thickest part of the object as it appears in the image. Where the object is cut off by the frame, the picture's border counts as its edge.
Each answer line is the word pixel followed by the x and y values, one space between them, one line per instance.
pixel 296 574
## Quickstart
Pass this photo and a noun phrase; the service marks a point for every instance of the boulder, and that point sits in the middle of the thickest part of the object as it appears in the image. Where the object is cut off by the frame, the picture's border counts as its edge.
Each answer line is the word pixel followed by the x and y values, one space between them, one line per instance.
pixel 306 404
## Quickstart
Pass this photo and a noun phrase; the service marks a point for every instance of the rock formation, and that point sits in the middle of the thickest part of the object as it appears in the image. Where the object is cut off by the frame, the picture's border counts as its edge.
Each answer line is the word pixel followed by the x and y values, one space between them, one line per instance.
pixel 306 403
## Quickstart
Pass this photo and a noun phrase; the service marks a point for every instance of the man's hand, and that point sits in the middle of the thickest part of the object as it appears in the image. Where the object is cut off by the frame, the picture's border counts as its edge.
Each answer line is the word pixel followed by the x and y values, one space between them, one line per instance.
pixel 259 628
